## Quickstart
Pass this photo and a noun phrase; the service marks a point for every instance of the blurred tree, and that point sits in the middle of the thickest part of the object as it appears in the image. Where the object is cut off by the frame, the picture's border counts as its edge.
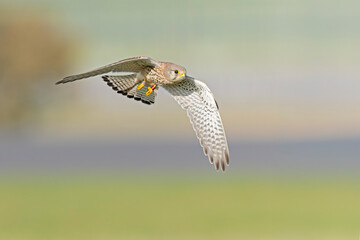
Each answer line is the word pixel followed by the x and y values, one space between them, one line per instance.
pixel 33 54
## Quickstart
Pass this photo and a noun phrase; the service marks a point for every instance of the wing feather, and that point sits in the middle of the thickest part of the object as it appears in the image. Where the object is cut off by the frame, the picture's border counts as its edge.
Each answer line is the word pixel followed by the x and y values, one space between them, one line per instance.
pixel 196 98
pixel 134 64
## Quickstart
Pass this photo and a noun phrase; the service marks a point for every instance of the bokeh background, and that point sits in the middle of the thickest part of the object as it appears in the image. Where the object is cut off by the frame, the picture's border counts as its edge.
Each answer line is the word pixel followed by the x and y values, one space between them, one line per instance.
pixel 79 161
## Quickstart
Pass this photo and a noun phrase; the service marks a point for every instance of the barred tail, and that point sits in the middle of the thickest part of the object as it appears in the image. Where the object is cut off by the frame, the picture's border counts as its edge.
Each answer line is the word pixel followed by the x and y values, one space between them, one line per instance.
pixel 128 85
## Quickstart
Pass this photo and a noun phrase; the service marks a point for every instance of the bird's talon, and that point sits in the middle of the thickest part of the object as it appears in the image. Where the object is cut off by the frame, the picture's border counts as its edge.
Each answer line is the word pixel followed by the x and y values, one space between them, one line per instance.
pixel 149 91
pixel 140 86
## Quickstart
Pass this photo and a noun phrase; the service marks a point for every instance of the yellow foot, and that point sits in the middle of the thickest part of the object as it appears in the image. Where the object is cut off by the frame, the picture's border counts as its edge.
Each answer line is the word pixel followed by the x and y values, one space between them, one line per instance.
pixel 150 90
pixel 140 86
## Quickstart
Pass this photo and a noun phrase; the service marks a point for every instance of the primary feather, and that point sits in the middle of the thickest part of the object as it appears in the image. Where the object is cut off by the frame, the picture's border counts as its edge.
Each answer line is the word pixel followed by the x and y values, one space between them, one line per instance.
pixel 196 98
pixel 135 64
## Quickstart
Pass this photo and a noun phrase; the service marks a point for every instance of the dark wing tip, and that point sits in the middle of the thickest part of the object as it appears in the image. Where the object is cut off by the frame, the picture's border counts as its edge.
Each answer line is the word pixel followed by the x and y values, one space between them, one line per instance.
pixel 58 82
pixel 227 157
pixel 223 165
pixel 65 80
pixel 217 165
pixel 211 158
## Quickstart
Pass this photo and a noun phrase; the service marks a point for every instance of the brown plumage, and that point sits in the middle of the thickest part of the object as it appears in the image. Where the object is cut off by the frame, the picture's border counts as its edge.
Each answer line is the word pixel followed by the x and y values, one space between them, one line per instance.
pixel 193 95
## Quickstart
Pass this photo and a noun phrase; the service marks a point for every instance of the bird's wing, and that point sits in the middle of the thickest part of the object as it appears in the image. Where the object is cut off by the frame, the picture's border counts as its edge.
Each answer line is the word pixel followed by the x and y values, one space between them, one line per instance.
pixel 196 98
pixel 134 64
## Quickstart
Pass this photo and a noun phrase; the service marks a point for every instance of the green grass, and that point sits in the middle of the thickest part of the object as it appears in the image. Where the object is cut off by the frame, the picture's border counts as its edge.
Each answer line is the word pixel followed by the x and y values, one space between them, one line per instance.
pixel 174 207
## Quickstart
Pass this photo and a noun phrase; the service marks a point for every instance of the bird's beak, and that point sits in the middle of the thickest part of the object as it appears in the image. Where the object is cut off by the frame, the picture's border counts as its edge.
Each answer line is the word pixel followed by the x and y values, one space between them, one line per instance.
pixel 181 75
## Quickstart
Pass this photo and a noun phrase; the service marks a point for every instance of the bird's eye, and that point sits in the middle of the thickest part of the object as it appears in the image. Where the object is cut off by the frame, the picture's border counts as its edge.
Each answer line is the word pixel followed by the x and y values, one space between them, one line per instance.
pixel 176 71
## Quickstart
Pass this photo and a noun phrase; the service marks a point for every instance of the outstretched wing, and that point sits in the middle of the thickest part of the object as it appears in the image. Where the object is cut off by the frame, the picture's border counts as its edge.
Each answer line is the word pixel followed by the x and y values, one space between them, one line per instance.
pixel 196 98
pixel 134 64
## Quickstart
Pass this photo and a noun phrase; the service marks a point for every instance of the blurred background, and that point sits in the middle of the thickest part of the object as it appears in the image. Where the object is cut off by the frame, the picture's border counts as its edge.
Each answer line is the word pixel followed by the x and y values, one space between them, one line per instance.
pixel 78 162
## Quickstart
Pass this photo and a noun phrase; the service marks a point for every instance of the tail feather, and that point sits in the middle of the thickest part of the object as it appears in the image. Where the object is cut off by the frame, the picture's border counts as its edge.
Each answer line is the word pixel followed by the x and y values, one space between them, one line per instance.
pixel 151 97
pixel 128 84
pixel 140 94
pixel 121 83
pixel 131 93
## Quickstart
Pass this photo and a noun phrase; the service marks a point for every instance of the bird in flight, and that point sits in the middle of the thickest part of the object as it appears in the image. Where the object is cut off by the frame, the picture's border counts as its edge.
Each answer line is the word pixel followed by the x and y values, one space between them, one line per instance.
pixel 147 75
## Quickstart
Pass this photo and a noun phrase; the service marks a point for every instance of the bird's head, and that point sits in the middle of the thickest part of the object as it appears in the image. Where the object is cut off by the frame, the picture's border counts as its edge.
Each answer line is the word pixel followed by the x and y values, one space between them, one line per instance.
pixel 174 73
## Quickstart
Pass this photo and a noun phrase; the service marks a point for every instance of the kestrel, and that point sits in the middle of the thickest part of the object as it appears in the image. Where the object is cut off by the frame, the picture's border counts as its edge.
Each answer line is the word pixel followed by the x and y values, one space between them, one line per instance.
pixel 147 75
